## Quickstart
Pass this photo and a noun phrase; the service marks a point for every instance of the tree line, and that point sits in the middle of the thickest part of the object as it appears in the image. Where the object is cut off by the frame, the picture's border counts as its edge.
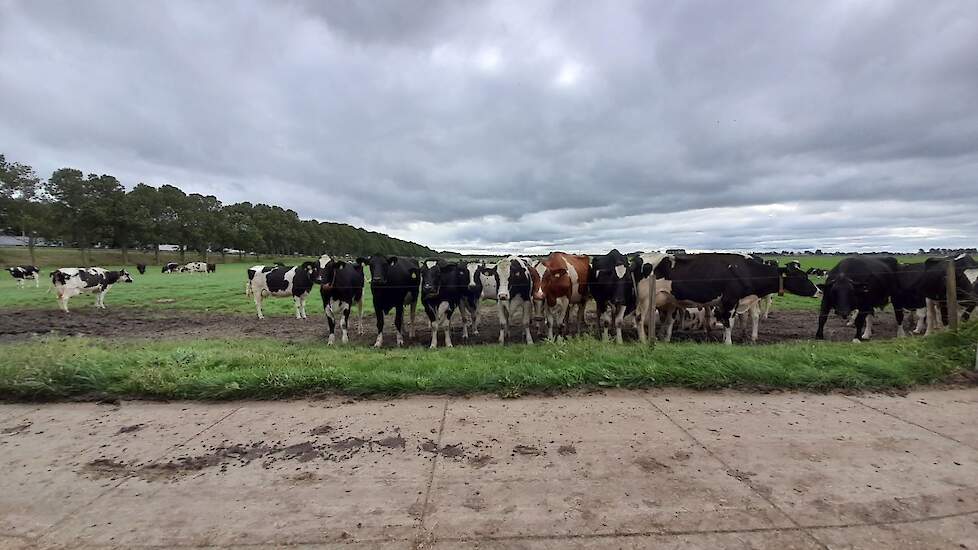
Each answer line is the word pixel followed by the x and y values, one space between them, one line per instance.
pixel 92 210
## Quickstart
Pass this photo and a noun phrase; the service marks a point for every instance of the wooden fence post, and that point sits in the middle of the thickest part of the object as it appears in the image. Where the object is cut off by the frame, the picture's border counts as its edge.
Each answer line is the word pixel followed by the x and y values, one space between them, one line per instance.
pixel 652 308
pixel 952 296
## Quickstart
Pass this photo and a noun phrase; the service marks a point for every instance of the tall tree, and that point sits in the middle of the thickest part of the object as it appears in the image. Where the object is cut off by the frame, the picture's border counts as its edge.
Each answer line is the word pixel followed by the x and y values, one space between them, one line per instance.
pixel 148 209
pixel 25 202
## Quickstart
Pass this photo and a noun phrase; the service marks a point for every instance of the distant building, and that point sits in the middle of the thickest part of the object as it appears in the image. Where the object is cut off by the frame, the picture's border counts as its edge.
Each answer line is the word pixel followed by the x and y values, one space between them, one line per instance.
pixel 12 240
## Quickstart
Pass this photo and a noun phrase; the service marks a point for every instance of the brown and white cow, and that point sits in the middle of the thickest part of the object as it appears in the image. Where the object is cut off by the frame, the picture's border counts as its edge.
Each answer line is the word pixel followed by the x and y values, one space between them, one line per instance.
pixel 563 284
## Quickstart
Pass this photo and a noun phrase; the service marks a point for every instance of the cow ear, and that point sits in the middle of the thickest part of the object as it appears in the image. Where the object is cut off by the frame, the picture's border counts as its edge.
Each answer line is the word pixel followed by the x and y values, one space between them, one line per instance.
pixel 392 260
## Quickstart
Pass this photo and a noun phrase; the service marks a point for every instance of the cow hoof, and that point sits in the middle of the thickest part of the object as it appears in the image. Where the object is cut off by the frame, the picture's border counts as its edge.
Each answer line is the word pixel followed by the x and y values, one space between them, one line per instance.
pixel 856 341
pixel 432 346
pixel 377 346
pixel 449 345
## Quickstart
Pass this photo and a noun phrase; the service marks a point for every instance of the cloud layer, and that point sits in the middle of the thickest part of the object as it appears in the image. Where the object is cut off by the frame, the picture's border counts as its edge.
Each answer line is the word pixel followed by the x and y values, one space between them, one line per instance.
pixel 522 126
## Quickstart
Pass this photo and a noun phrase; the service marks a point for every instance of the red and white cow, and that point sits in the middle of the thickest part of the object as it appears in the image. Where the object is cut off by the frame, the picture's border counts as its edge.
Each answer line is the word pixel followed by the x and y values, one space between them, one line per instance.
pixel 563 285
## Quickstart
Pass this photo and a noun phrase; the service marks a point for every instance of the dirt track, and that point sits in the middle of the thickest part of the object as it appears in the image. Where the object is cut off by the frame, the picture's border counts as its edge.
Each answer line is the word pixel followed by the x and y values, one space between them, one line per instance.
pixel 155 324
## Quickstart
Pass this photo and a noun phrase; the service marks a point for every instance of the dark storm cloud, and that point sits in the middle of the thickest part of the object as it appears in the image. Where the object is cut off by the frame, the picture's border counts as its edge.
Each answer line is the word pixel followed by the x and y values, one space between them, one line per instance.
pixel 522 125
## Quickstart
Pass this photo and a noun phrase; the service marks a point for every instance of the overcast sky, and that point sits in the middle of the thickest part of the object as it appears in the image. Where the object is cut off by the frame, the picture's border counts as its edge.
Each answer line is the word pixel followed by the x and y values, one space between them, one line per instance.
pixel 522 126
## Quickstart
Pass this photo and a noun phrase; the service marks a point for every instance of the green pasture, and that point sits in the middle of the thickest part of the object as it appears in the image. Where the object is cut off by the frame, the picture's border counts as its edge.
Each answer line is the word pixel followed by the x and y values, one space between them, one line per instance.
pixel 61 368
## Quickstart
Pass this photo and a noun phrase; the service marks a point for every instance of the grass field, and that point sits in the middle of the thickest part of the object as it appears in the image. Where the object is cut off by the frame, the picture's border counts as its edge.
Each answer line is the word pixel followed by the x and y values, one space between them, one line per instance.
pixel 229 368
pixel 221 369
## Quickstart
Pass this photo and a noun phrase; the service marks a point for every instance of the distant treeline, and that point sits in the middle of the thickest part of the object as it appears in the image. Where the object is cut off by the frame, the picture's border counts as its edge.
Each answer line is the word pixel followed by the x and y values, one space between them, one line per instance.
pixel 96 210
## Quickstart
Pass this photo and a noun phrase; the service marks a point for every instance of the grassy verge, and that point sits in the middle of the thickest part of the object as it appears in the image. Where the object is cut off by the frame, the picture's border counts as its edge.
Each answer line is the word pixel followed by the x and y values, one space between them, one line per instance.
pixel 217 369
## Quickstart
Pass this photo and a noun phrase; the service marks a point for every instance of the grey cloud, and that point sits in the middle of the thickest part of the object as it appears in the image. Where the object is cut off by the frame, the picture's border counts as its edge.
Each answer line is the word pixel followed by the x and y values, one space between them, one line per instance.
pixel 507 125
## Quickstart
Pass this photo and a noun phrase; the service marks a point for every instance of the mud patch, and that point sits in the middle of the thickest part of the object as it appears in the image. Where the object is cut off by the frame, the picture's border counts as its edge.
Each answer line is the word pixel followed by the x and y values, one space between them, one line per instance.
pixel 164 324
pixel 14 430
pixel 566 450
pixel 741 475
pixel 240 455
pixel 650 464
pixel 325 429
pixel 480 461
pixel 447 451
pixel 528 450
pixel 130 429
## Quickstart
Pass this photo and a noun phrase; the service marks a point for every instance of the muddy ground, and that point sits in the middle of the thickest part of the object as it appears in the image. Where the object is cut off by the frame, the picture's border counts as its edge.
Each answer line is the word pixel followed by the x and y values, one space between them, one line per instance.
pixel 155 324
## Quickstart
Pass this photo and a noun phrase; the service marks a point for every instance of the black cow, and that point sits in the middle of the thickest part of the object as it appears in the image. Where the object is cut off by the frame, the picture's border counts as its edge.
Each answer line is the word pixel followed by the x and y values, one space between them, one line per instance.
pixel 24 272
pixel 295 282
pixel 613 289
pixel 925 285
pixel 342 286
pixel 141 268
pixel 443 286
pixel 211 268
pixel 726 279
pixel 472 296
pixel 863 284
pixel 394 282
pixel 170 267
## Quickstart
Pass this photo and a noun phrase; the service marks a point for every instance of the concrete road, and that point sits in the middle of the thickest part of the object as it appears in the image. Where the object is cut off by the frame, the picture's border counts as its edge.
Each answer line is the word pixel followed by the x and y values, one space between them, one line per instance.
pixel 662 469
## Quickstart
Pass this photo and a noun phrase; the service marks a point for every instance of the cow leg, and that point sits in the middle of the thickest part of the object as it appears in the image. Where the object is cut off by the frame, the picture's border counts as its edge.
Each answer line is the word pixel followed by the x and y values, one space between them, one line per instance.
pixel 298 307
pixel 729 325
pixel 414 307
pixel 619 320
pixel 475 320
pixel 527 318
pixel 446 314
pixel 604 320
pixel 463 310
pixel 860 323
pixel 755 319
pixel 332 323
pixel 823 317
pixel 898 312
pixel 921 314
pixel 503 310
pixel 63 303
pixel 399 323
pixel 258 305
pixel 944 315
pixel 670 321
pixel 852 319
pixel 379 314
pixel 37 281
pixel 360 316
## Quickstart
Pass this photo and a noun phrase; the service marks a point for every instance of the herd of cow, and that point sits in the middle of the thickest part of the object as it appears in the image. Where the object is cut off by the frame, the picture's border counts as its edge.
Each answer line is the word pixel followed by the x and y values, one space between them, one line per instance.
pixel 699 291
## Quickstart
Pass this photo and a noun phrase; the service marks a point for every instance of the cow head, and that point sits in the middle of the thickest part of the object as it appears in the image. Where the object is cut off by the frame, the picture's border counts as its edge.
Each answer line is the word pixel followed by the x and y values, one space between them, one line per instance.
pixel 379 268
pixel 488 279
pixel 796 281
pixel 557 282
pixel 436 274
pixel 612 277
pixel 124 276
pixel 475 282
pixel 311 270
pixel 514 278
pixel 845 294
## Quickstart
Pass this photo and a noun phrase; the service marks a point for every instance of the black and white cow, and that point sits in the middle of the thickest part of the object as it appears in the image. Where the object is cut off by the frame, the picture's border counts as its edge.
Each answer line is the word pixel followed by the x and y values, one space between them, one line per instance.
pixel 72 281
pixel 295 282
pixel 341 286
pixel 394 283
pixel 516 281
pixel 731 282
pixel 923 287
pixel 25 272
pixel 141 268
pixel 443 286
pixel 170 267
pixel 613 289
pixel 471 301
pixel 862 284
pixel 817 272
pixel 194 267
